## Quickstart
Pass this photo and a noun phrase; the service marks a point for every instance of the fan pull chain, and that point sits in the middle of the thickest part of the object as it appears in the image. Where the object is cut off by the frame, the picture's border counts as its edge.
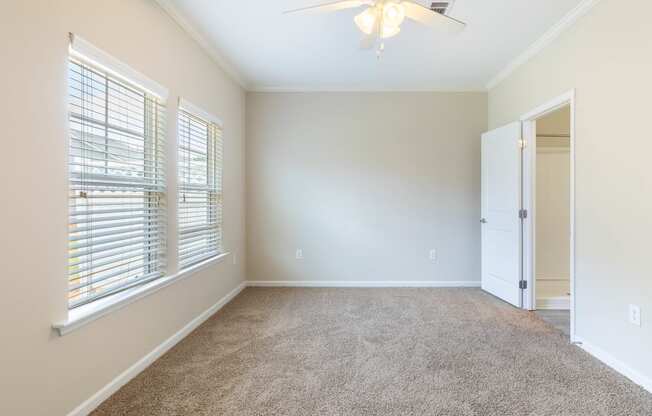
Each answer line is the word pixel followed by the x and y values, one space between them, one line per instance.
pixel 380 50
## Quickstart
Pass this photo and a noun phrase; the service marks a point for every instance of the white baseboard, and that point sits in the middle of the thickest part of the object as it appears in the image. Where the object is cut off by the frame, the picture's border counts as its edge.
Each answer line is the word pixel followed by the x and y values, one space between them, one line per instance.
pixel 616 364
pixel 359 284
pixel 559 303
pixel 95 400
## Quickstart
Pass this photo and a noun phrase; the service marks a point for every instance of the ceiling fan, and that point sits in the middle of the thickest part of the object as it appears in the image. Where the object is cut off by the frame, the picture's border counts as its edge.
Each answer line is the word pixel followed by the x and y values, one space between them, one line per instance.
pixel 382 19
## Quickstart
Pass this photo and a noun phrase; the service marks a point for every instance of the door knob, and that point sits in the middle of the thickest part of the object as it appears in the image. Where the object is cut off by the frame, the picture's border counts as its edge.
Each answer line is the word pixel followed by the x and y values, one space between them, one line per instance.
pixel 483 220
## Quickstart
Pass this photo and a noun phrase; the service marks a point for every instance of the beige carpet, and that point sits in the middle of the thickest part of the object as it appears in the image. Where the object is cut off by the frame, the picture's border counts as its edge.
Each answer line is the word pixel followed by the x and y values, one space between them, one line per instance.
pixel 376 352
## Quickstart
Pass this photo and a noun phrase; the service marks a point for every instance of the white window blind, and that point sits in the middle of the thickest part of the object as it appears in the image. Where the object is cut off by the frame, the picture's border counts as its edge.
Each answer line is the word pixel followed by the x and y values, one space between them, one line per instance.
pixel 200 188
pixel 117 184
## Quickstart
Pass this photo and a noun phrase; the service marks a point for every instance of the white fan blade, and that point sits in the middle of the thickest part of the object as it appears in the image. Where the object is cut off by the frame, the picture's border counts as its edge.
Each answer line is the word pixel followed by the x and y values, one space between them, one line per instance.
pixel 430 18
pixel 332 7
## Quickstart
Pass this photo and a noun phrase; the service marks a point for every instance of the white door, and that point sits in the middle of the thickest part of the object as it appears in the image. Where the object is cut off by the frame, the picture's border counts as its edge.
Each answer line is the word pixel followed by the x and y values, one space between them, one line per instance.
pixel 501 204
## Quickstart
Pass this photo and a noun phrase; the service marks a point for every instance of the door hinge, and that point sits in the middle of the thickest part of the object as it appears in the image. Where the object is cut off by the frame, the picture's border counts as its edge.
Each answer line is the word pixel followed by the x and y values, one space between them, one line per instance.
pixel 522 284
pixel 522 214
pixel 522 143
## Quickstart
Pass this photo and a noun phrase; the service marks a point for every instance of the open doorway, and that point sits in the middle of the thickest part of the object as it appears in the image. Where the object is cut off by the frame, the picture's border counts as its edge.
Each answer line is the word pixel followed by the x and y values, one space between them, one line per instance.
pixel 510 222
pixel 552 235
pixel 548 197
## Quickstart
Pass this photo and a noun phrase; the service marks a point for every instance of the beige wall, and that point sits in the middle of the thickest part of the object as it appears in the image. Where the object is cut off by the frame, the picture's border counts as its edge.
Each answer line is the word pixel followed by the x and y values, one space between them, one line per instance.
pixel 40 372
pixel 607 57
pixel 366 184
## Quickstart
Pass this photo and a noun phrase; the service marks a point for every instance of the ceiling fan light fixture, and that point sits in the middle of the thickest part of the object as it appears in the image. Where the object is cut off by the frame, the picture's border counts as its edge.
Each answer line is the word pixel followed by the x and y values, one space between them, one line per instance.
pixel 390 31
pixel 366 21
pixel 393 14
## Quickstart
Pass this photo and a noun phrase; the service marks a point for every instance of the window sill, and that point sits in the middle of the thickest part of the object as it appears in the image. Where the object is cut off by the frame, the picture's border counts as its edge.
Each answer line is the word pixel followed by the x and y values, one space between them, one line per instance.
pixel 83 315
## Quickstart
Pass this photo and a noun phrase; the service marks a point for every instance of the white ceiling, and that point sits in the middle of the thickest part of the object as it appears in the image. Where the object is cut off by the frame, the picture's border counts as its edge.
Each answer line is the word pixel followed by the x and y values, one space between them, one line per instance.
pixel 272 51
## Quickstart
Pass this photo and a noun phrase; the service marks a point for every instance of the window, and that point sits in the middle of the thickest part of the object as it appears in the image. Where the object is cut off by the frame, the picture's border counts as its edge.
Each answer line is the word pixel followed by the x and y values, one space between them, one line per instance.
pixel 117 184
pixel 200 186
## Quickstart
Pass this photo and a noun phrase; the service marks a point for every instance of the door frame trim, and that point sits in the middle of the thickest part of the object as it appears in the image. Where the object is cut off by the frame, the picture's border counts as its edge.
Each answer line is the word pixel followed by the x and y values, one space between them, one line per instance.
pixel 528 121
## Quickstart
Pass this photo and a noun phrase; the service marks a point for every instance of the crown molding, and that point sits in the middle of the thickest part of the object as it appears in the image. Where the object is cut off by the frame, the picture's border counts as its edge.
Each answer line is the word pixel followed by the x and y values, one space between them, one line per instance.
pixel 540 44
pixel 213 53
pixel 341 89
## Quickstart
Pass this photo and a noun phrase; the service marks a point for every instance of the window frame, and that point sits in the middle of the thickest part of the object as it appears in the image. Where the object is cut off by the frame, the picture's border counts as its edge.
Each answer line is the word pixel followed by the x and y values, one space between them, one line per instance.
pixel 214 147
pixel 149 177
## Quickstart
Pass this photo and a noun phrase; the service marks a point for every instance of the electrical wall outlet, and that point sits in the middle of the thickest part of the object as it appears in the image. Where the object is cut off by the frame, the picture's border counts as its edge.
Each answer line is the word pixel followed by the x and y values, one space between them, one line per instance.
pixel 299 254
pixel 635 315
pixel 433 255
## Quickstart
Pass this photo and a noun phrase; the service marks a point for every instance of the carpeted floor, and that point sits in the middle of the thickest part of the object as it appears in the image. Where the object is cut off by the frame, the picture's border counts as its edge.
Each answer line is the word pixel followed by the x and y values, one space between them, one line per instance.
pixel 560 319
pixel 275 351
